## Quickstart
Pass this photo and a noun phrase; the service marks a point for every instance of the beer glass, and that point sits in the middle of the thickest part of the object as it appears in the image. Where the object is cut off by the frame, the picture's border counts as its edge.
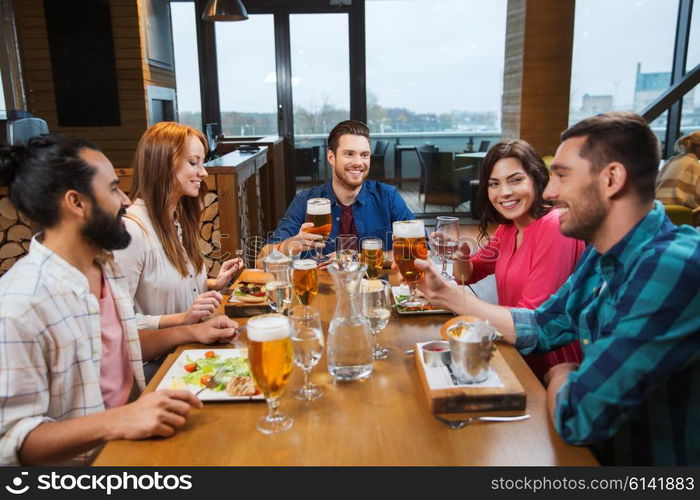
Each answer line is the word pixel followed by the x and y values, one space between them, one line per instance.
pixel 270 358
pixel 305 280
pixel 444 240
pixel 307 340
pixel 345 249
pixel 409 243
pixel 372 256
pixel 318 211
pixel 376 306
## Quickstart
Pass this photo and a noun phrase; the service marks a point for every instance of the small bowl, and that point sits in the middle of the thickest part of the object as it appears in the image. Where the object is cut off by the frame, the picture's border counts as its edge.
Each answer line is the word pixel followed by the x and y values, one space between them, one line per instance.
pixel 436 353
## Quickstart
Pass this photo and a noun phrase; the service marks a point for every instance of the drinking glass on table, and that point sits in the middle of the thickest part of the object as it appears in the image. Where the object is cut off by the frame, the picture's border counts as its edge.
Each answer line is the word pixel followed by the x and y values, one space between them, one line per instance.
pixel 376 306
pixel 444 240
pixel 345 249
pixel 318 211
pixel 372 256
pixel 410 243
pixel 278 282
pixel 305 280
pixel 270 358
pixel 307 341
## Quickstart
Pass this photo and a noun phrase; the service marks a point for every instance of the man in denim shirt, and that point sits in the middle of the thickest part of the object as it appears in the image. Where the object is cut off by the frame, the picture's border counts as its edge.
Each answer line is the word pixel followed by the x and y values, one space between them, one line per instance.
pixel 632 302
pixel 358 206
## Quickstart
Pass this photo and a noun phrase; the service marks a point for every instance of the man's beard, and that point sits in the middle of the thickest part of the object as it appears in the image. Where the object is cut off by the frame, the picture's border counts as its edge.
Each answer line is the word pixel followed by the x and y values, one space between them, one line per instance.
pixel 585 221
pixel 104 231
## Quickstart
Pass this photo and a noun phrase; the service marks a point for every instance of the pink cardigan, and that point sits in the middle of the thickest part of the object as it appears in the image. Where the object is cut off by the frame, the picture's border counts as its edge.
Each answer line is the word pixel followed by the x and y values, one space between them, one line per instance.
pixel 528 276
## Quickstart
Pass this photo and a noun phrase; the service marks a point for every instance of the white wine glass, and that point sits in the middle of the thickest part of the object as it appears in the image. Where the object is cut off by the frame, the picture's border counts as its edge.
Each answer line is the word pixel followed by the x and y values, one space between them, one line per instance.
pixel 376 306
pixel 307 341
pixel 444 240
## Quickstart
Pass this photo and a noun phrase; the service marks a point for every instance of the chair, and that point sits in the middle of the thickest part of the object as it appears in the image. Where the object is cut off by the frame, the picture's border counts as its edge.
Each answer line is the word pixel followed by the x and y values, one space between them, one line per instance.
pixel 440 179
pixel 306 160
pixel 484 146
pixel 425 148
pixel 679 214
pixel 377 170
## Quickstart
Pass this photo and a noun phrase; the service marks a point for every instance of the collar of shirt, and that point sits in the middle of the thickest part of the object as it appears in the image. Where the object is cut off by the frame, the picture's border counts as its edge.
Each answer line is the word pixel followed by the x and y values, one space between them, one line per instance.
pixel 60 269
pixel 625 252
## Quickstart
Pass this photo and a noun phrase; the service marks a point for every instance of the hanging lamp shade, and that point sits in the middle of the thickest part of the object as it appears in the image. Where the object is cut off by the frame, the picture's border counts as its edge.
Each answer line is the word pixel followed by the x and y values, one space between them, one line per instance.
pixel 225 10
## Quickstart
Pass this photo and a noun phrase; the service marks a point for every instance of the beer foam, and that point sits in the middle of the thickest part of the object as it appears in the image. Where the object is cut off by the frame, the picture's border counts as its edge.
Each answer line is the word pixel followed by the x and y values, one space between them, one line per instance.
pixel 371 244
pixel 305 264
pixel 318 206
pixel 268 327
pixel 409 229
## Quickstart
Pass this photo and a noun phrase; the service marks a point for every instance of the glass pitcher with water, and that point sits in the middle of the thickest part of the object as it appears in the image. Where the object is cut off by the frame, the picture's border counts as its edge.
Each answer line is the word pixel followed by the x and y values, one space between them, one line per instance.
pixel 349 345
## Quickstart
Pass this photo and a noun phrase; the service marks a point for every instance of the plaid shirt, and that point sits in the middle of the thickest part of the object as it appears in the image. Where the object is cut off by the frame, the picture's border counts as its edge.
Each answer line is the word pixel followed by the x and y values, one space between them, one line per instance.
pixel 51 345
pixel 636 310
pixel 678 183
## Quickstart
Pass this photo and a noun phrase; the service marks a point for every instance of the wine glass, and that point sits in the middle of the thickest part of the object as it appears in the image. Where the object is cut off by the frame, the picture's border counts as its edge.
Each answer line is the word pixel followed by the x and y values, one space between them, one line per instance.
pixel 278 286
pixel 318 211
pixel 376 306
pixel 307 340
pixel 409 244
pixel 270 359
pixel 444 240
pixel 372 256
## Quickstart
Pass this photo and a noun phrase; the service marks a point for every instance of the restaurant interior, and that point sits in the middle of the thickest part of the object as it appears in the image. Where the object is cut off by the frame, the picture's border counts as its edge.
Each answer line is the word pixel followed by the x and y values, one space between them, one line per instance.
pixel 265 81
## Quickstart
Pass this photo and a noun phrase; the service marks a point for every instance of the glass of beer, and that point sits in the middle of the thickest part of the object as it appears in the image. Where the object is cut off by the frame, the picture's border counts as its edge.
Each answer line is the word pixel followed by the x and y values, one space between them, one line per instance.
pixel 270 357
pixel 318 211
pixel 372 256
pixel 305 280
pixel 410 243
pixel 444 240
pixel 307 340
pixel 376 307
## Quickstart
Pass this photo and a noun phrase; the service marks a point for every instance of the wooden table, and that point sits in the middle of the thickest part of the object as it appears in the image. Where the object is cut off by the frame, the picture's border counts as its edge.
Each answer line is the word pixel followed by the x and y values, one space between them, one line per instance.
pixel 383 420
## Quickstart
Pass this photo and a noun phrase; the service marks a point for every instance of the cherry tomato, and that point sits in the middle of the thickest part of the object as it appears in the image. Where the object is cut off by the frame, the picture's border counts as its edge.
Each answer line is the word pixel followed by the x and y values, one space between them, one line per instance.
pixel 191 367
pixel 210 354
pixel 205 379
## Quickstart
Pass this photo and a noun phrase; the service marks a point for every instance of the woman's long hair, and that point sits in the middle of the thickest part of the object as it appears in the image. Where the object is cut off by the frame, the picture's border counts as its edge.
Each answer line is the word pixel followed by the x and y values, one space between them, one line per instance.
pixel 534 167
pixel 160 147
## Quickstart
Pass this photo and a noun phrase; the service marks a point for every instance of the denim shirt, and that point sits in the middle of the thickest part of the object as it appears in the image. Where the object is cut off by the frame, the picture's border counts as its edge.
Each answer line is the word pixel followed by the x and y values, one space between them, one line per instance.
pixel 377 206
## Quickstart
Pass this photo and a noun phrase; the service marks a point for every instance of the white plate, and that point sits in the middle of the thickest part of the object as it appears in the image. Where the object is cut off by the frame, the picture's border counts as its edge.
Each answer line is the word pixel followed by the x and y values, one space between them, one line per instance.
pixel 397 291
pixel 173 377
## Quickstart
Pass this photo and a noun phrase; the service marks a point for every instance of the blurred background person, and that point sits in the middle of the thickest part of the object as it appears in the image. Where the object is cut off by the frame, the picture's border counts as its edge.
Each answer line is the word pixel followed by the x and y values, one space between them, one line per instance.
pixel 678 182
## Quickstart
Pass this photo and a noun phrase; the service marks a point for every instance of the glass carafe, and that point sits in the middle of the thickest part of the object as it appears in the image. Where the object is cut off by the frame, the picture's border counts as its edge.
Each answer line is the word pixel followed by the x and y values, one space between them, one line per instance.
pixel 349 346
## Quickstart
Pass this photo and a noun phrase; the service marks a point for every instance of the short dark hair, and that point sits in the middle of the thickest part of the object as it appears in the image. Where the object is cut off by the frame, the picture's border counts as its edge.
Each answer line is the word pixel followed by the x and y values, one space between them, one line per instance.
pixel 534 167
pixel 623 137
pixel 40 173
pixel 347 127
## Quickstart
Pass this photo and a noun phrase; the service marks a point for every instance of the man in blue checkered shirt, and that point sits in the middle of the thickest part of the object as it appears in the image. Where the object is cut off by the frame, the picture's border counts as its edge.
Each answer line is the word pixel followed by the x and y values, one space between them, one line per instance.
pixel 633 302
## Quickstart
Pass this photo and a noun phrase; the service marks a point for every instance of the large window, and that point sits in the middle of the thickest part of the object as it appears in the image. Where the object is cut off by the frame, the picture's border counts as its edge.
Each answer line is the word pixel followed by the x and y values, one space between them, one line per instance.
pixel 690 112
pixel 189 103
pixel 3 107
pixel 621 65
pixel 245 53
pixel 320 69
pixel 435 65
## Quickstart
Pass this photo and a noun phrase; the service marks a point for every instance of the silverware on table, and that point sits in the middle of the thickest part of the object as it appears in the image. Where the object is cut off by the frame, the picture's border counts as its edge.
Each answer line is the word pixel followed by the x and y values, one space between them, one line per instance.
pixel 214 380
pixel 458 424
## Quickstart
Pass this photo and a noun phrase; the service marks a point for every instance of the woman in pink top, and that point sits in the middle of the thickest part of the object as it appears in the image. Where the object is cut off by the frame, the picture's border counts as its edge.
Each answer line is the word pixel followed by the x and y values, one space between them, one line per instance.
pixel 528 254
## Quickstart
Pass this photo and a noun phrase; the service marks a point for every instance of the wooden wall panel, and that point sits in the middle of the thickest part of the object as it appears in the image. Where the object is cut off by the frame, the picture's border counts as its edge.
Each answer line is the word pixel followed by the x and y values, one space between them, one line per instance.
pixel 134 74
pixel 537 75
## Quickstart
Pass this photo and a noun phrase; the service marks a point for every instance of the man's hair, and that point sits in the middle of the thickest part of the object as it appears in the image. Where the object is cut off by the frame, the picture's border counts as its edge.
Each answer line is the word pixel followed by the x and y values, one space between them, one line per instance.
pixel 348 127
pixel 40 173
pixel 620 137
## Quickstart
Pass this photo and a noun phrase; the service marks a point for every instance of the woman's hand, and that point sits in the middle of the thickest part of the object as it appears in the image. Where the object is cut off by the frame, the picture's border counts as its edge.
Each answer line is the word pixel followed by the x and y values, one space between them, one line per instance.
pixel 461 265
pixel 202 306
pixel 228 268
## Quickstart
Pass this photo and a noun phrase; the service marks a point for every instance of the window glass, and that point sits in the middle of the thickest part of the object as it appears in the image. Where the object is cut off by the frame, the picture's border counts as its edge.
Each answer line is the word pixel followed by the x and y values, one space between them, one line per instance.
pixel 189 104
